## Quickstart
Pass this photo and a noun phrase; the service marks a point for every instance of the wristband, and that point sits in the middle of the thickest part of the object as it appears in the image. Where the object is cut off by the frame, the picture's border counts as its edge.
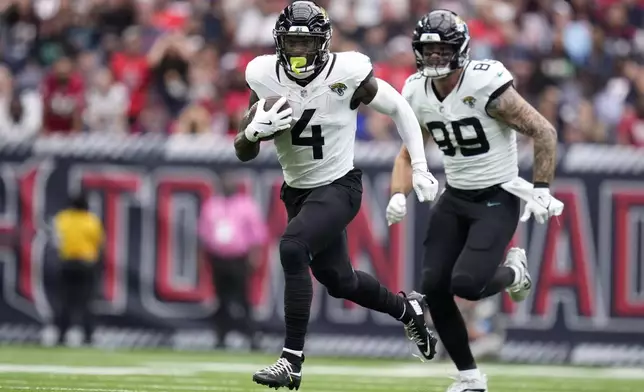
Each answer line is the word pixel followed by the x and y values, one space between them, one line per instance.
pixel 541 185
pixel 251 134
pixel 420 166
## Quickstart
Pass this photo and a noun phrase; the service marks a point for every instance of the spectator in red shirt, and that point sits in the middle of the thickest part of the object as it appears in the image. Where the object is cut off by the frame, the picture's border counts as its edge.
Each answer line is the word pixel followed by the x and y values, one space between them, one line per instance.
pixel 616 20
pixel 631 129
pixel 63 98
pixel 237 94
pixel 488 31
pixel 170 16
pixel 131 68
pixel 399 64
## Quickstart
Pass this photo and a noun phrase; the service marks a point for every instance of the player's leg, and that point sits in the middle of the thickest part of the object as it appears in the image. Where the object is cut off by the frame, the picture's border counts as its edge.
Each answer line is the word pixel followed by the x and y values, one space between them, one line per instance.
pixel 315 219
pixel 68 298
pixel 245 322
pixel 477 273
pixel 224 288
pixel 316 225
pixel 332 267
pixel 86 314
pixel 446 236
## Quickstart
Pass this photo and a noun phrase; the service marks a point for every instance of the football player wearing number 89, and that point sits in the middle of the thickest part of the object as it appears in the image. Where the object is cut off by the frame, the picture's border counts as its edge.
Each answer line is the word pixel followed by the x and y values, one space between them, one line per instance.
pixel 322 190
pixel 473 112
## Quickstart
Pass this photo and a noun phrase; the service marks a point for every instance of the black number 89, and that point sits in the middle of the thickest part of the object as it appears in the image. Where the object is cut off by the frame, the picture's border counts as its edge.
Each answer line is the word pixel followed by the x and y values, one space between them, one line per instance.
pixel 468 147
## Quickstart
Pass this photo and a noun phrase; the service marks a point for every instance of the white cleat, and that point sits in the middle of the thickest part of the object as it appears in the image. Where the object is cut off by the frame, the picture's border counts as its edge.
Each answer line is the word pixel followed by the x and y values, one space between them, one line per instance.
pixel 469 384
pixel 517 260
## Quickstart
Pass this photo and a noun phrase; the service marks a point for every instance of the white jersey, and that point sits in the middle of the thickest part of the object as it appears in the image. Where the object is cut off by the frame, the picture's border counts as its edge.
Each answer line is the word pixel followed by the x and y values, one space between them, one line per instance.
pixel 319 149
pixel 479 151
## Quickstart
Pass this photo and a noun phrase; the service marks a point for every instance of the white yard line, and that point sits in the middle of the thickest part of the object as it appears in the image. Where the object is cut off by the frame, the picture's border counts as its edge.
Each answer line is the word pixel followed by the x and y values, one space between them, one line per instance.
pixel 316 387
pixel 96 370
pixel 17 388
pixel 422 370
pixel 148 388
pixel 439 370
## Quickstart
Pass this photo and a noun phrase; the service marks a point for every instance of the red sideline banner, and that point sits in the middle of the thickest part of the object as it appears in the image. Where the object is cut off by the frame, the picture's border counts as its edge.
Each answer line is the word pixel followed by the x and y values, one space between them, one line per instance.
pixel 587 305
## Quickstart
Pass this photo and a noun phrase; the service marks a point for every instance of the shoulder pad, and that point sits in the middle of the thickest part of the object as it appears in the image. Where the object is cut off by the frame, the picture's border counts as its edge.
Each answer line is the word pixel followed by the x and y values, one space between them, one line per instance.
pixel 259 68
pixel 413 77
pixel 485 77
pixel 411 85
pixel 354 67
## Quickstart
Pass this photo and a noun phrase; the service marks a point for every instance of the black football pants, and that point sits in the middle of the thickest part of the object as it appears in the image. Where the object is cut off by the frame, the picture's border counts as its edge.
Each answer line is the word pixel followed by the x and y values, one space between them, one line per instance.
pixel 468 234
pixel 76 285
pixel 316 238
pixel 230 277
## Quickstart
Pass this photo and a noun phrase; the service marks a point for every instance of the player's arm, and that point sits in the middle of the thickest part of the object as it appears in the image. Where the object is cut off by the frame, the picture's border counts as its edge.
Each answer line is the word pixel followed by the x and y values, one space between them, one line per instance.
pixel 379 95
pixel 402 172
pixel 244 148
pixel 510 108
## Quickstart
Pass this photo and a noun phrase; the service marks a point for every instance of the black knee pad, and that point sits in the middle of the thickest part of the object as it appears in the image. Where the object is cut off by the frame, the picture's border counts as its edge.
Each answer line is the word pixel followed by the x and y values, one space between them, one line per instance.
pixel 294 255
pixel 466 287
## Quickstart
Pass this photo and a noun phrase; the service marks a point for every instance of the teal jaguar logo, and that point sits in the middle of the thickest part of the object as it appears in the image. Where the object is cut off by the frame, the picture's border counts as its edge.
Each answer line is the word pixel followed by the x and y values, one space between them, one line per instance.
pixel 469 101
pixel 338 88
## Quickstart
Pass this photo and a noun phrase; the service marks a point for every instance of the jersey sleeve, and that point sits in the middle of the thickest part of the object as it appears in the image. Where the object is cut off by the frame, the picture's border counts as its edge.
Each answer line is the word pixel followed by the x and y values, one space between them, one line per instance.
pixel 256 69
pixel 410 86
pixel 494 79
pixel 409 89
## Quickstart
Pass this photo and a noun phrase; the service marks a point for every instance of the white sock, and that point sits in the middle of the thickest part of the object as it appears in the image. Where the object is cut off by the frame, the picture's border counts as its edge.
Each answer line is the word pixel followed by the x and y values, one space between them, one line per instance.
pixel 287 350
pixel 517 275
pixel 404 310
pixel 472 374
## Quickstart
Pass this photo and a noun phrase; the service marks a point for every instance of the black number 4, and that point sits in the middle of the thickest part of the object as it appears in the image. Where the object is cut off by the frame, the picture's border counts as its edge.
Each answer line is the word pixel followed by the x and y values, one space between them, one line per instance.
pixel 468 147
pixel 315 140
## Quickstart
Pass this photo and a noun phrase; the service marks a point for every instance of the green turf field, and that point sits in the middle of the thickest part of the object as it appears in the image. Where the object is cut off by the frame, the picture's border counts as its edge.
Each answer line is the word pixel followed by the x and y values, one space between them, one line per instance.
pixel 86 370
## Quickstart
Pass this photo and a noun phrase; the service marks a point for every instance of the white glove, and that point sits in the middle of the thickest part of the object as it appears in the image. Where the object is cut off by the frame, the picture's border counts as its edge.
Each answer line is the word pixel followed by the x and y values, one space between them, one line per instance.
pixel 542 205
pixel 266 123
pixel 425 185
pixel 396 209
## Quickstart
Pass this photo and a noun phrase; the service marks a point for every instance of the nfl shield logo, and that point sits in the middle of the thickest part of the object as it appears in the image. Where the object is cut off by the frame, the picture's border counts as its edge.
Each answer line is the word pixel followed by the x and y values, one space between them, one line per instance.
pixel 303 93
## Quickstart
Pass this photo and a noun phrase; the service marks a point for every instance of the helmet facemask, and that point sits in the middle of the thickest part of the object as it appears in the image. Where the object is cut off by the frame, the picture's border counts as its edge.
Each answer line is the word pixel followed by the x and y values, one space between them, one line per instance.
pixel 302 53
pixel 436 58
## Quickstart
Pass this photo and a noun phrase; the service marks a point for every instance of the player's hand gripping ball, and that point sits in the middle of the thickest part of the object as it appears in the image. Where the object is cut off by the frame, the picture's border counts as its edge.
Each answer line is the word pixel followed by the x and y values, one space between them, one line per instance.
pixel 271 118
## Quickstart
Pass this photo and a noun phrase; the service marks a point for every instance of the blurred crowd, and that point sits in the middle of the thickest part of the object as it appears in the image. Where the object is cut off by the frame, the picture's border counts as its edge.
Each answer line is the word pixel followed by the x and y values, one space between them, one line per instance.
pixel 177 66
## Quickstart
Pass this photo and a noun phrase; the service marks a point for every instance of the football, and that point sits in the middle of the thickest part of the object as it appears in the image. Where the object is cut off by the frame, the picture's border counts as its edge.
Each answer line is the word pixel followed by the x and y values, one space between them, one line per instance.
pixel 270 101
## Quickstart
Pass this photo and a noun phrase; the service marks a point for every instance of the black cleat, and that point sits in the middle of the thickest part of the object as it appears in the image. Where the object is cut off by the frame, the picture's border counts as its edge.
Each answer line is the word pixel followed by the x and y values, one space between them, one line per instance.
pixel 281 374
pixel 416 328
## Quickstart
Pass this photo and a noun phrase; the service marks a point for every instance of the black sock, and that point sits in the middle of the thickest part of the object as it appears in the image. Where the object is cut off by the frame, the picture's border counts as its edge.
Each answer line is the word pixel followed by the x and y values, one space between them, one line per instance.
pixel 298 293
pixel 370 294
pixel 451 329
pixel 502 279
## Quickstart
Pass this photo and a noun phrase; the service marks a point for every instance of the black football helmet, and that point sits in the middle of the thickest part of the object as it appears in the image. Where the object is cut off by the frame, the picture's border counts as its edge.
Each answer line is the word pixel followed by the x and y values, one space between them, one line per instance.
pixel 302 37
pixel 441 43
